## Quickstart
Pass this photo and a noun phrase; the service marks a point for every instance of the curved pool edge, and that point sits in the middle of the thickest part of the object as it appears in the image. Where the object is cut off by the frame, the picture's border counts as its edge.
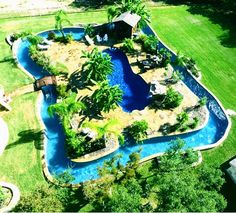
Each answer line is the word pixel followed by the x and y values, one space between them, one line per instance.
pixel 14 52
pixel 45 169
pixel 204 147
pixel 49 176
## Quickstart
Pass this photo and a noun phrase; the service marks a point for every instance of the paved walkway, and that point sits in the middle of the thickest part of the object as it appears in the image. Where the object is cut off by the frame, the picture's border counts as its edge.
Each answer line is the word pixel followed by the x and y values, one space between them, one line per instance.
pixel 22 90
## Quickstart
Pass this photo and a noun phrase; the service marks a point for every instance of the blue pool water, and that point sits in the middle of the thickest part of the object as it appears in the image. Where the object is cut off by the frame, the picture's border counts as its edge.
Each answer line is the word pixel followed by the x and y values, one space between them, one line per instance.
pixel 135 89
pixel 55 153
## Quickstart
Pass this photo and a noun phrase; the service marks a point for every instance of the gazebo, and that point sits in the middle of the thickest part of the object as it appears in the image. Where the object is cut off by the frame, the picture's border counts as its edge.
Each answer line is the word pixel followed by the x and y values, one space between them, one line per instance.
pixel 126 24
pixel 122 27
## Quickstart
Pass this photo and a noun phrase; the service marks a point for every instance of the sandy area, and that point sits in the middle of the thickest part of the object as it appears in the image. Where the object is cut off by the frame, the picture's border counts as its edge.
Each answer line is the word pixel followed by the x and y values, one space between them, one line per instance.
pixel 70 55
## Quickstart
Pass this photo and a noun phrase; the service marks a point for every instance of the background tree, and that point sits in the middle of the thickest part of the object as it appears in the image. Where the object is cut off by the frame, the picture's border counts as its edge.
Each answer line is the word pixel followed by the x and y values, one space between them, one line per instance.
pixel 134 6
pixel 61 18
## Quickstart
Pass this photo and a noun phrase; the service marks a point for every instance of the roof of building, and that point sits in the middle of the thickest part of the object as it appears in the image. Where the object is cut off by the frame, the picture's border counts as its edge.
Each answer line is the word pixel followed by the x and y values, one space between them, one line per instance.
pixel 130 18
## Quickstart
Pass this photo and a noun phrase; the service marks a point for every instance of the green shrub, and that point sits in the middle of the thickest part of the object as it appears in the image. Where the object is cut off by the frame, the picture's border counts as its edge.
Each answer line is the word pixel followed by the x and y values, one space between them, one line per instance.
pixel 202 101
pixel 166 57
pixel 172 99
pixel 150 44
pixel 34 39
pixel 21 34
pixel 141 38
pixel 89 30
pixel 176 76
pixel 51 35
pixel 195 123
pixel 65 39
pixel 106 97
pixel 128 45
pixel 138 130
pixel 62 91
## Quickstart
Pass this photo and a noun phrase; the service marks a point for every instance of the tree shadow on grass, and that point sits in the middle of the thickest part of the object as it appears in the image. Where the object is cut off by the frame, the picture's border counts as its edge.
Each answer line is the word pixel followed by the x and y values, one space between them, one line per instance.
pixel 10 60
pixel 29 136
pixel 218 12
pixel 92 4
pixel 221 16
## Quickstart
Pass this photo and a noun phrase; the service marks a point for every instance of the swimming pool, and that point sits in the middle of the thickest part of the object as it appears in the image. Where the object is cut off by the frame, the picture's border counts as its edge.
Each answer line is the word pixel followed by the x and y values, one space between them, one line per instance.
pixel 135 89
pixel 55 154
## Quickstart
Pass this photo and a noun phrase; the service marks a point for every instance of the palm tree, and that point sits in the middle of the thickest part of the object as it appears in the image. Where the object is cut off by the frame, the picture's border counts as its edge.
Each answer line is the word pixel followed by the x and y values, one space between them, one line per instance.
pixel 67 107
pixel 106 97
pixel 103 129
pixel 134 6
pixel 60 18
pixel 97 67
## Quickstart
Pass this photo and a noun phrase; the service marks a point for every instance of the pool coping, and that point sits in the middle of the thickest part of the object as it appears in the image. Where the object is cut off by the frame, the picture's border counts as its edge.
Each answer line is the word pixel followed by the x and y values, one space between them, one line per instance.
pixel 15 196
pixel 45 169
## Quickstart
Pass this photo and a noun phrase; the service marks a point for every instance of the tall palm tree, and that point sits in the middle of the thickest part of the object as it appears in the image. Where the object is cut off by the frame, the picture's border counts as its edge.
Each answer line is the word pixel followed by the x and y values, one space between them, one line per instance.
pixel 60 18
pixel 97 67
pixel 106 97
pixel 134 6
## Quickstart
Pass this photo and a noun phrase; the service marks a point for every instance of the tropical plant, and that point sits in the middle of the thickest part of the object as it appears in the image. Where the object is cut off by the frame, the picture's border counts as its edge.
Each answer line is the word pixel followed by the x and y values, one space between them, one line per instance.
pixel 67 107
pixel 202 101
pixel 103 130
pixel 165 56
pixel 195 123
pixel 128 45
pixel 89 30
pixel 182 118
pixel 62 91
pixel 150 44
pixel 45 199
pixel 97 66
pixel 179 60
pixel 172 99
pixel 176 157
pixel 134 6
pixel 60 18
pixel 176 77
pixel 106 97
pixel 21 34
pixel 51 35
pixel 138 130
pixel 34 39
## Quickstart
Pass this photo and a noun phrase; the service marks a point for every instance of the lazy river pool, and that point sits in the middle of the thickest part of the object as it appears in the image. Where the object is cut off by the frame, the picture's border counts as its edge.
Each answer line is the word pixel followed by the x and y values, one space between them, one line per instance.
pixel 55 154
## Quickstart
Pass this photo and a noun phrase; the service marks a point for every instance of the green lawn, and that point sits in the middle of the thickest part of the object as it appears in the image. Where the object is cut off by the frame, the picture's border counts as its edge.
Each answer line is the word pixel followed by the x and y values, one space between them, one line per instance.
pixel 194 35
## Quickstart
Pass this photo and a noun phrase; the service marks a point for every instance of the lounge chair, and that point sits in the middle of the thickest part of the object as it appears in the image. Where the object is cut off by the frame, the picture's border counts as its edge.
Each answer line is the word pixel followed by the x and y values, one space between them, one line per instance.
pixel 99 39
pixel 47 42
pixel 105 38
pixel 89 40
pixel 43 47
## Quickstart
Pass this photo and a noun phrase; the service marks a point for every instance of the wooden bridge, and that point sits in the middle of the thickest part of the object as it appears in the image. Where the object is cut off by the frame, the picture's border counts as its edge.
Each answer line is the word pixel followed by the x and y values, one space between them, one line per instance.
pixel 45 81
